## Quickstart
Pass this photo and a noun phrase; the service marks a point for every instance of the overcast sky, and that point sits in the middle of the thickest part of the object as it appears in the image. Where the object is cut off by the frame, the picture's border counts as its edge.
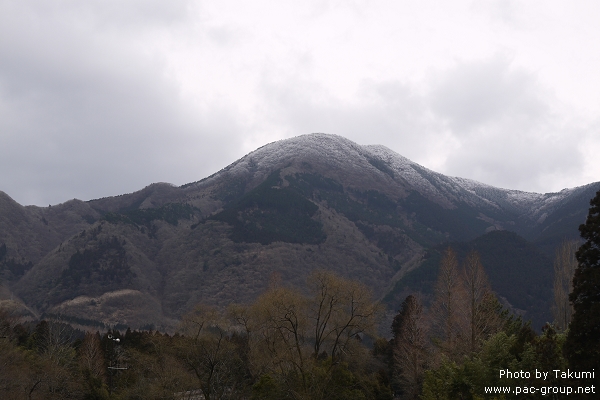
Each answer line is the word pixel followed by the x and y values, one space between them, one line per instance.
pixel 103 97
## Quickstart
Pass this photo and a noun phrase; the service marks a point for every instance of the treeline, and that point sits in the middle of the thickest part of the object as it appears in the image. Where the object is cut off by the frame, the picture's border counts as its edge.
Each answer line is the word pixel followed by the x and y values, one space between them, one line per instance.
pixel 465 339
pixel 465 343
pixel 321 344
pixel 10 267
pixel 286 345
pixel 170 212
pixel 268 214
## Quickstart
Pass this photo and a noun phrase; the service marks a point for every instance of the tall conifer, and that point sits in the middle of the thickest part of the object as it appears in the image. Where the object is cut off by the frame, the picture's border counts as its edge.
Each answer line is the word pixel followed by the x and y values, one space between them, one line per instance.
pixel 582 346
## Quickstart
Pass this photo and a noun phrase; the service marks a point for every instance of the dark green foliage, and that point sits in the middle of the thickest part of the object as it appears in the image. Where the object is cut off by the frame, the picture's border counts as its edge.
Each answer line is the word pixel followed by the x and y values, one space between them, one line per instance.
pixel 148 327
pixel 381 165
pixel 382 349
pixel 369 210
pixel 89 219
pixel 343 384
pixel 392 241
pixel 561 225
pixel 369 207
pixel 419 280
pixel 379 201
pixel 269 196
pixel 170 213
pixel 583 341
pixel 268 214
pixel 460 223
pixel 522 331
pixel 266 389
pixel 402 315
pixel 380 386
pixel 515 267
pixel 232 189
pixel 106 263
pixel 10 268
pixel 504 351
pixel 16 269
pixel 20 334
pixel 518 270
pixel 96 390
pixel 545 353
pixel 307 184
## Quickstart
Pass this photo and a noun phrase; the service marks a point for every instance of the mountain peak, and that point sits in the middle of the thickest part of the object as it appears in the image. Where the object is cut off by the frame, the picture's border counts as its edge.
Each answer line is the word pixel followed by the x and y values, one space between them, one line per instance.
pixel 312 201
pixel 377 167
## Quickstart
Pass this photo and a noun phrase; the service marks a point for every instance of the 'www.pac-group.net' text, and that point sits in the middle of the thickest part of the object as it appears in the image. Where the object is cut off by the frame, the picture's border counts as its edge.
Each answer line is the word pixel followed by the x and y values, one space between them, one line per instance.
pixel 543 375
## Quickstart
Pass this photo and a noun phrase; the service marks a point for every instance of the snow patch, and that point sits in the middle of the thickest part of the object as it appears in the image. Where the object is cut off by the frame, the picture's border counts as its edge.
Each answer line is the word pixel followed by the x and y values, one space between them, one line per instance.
pixel 340 153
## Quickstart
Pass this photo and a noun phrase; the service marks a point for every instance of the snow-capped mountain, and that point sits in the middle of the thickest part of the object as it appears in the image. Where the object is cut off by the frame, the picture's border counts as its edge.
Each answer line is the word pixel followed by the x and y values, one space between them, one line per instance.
pixel 313 201
pixel 379 168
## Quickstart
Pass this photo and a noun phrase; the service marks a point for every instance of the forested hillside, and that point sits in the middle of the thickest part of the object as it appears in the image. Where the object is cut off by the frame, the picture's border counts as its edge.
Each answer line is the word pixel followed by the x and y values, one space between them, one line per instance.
pixel 312 202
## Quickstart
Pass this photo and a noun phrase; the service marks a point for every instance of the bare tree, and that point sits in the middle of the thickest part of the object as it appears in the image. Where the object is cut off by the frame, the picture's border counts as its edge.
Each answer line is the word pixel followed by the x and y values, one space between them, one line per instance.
pixel 410 351
pixel 565 264
pixel 208 352
pixel 281 333
pixel 326 303
pixel 299 340
pixel 358 316
pixel 481 313
pixel 448 307
pixel 56 358
pixel 91 357
pixel 91 360
pixel 339 310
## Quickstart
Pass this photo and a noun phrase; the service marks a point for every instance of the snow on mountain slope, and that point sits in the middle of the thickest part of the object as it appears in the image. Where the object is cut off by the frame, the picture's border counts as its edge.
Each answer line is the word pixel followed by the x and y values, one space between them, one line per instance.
pixel 338 151
pixel 340 157
pixel 454 189
pixel 343 157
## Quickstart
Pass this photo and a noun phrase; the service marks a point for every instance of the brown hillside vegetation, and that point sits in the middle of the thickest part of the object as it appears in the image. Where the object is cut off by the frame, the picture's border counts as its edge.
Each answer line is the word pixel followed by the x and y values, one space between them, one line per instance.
pixel 313 202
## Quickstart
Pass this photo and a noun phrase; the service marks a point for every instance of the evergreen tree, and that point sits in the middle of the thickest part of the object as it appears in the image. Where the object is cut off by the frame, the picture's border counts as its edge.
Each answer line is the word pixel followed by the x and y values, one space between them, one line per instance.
pixel 583 341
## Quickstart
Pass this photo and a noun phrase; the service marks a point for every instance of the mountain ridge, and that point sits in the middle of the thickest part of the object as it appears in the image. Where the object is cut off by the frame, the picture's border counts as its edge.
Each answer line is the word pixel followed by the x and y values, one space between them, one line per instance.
pixel 317 201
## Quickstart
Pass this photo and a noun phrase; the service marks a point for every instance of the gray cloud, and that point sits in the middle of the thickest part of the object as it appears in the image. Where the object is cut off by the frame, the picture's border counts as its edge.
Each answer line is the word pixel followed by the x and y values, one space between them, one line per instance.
pixel 102 97
pixel 517 159
pixel 508 130
pixel 130 15
pixel 91 118
pixel 386 113
pixel 480 120
pixel 472 95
